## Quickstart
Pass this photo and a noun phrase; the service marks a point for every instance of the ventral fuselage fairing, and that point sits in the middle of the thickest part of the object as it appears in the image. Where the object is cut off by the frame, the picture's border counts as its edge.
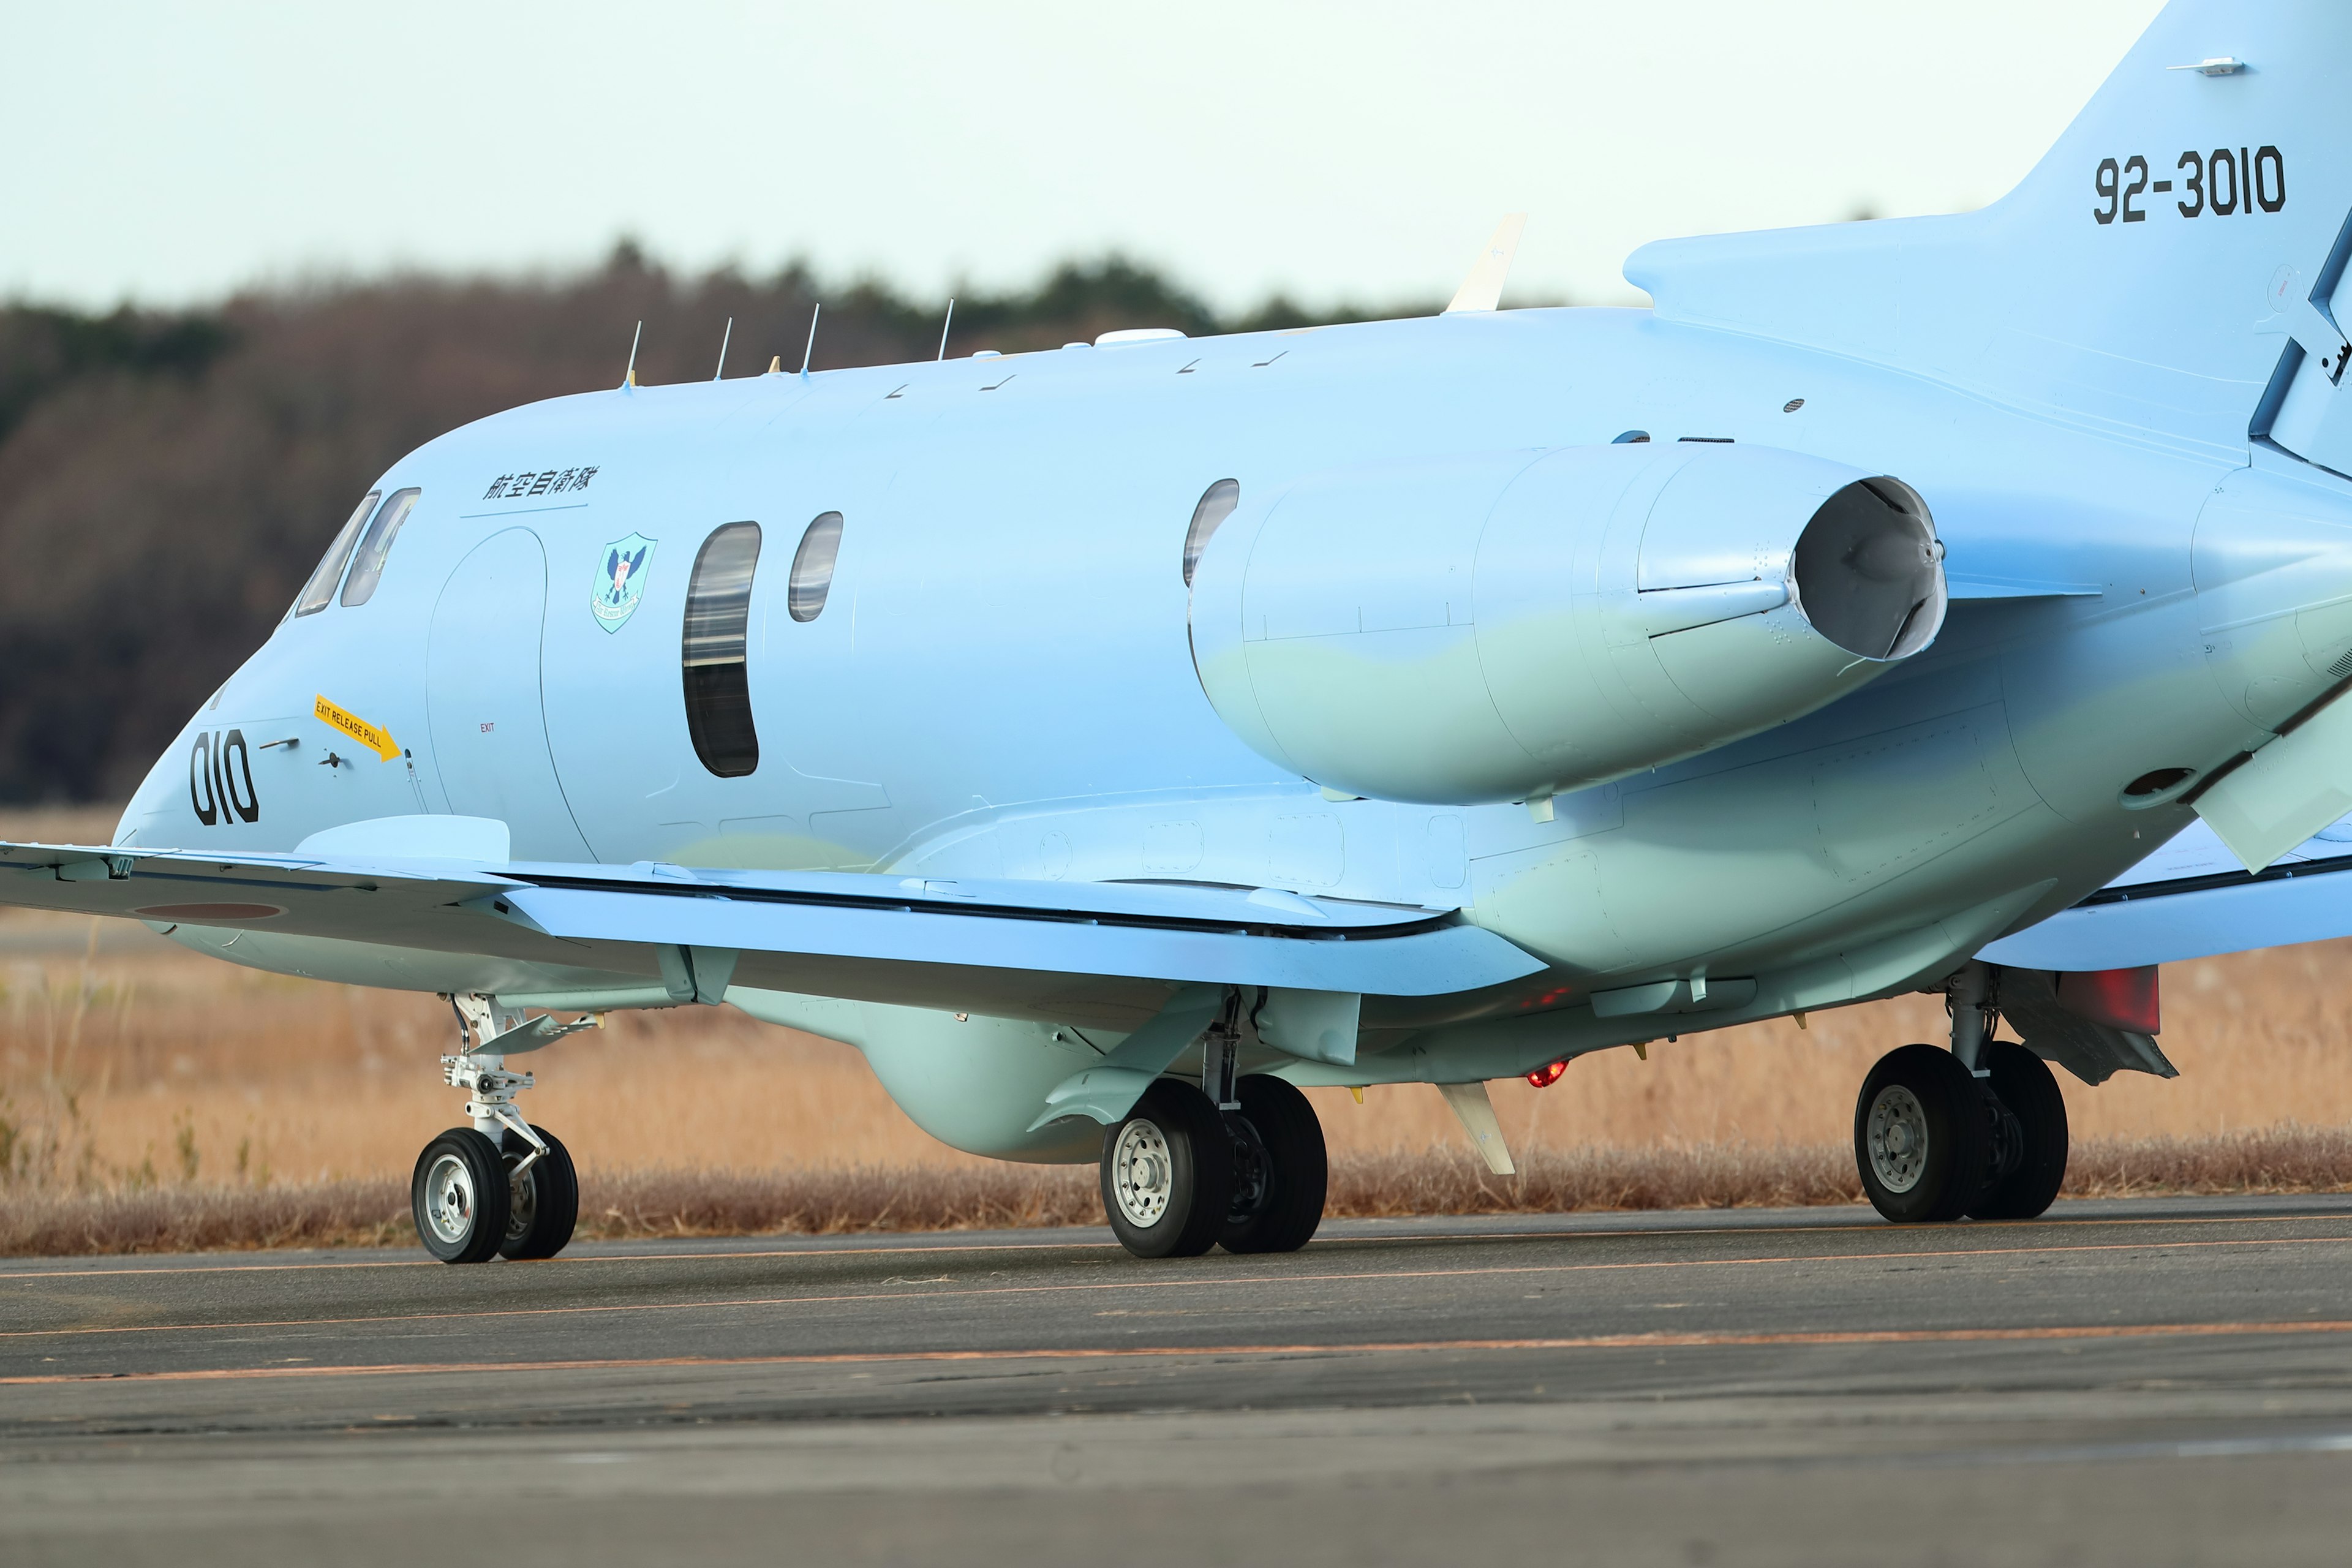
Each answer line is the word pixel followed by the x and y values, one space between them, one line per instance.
pixel 1882 592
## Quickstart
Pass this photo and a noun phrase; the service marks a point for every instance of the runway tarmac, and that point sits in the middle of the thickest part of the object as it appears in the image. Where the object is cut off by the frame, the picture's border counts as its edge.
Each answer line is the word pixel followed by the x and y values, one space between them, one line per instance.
pixel 2123 1382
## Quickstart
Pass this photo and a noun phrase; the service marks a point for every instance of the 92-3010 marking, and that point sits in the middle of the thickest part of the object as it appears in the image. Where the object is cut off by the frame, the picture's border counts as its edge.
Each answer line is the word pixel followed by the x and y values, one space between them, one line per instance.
pixel 2220 182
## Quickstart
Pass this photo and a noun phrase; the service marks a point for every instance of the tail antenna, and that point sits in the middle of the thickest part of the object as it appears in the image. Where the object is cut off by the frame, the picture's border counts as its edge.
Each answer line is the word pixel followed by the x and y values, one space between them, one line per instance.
pixel 724 340
pixel 945 325
pixel 629 377
pixel 809 352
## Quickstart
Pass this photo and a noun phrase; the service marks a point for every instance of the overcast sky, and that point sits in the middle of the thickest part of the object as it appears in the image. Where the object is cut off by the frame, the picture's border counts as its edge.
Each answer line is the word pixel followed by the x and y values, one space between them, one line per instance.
pixel 167 153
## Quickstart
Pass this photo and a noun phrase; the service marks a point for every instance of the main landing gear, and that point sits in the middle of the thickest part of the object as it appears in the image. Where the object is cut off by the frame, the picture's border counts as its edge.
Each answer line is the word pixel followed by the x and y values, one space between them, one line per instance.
pixel 1978 1129
pixel 501 1187
pixel 1186 1172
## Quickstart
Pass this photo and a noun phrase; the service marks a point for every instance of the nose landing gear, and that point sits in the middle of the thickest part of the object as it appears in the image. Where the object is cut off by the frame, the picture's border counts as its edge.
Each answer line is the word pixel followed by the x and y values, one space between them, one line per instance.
pixel 500 1187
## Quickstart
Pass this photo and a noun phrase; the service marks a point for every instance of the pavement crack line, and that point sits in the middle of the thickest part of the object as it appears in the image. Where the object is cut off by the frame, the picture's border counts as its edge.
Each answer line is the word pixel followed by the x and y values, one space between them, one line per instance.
pixel 1138 1283
pixel 1084 1244
pixel 1794 1337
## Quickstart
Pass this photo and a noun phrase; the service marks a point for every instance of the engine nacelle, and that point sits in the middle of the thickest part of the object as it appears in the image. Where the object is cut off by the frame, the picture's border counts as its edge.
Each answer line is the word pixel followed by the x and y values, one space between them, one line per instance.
pixel 1509 626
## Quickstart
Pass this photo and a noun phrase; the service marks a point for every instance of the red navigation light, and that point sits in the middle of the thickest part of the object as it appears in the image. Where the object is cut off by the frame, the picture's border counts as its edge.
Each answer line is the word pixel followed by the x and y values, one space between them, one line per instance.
pixel 1545 1076
pixel 2119 998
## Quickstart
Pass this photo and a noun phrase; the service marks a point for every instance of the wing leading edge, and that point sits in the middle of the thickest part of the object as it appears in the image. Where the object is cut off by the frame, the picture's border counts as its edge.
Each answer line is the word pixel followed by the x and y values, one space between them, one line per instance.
pixel 2191 898
pixel 1107 952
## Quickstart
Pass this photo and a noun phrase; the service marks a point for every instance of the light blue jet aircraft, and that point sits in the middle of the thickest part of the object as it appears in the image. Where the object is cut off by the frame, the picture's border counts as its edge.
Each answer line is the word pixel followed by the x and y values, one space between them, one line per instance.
pixel 1108 742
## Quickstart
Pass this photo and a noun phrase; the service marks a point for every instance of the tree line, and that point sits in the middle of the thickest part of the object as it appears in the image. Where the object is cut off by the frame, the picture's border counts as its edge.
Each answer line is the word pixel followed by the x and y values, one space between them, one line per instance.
pixel 167 478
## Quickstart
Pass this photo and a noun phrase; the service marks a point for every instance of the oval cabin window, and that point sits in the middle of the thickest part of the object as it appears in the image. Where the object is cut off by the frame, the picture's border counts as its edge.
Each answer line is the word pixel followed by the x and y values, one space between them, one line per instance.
pixel 812 577
pixel 717 678
pixel 1216 504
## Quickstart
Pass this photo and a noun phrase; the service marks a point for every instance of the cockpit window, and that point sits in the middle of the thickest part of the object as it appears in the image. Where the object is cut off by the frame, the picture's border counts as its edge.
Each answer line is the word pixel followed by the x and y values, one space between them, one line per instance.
pixel 322 585
pixel 367 565
pixel 718 623
pixel 1216 504
pixel 812 577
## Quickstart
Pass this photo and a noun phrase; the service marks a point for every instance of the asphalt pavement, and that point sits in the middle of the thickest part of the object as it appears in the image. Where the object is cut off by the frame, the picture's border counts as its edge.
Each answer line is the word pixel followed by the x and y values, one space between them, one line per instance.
pixel 2150 1382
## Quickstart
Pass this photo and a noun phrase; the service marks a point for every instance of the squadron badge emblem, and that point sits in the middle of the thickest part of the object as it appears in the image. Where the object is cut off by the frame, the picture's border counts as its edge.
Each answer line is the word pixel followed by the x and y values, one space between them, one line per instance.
pixel 619 581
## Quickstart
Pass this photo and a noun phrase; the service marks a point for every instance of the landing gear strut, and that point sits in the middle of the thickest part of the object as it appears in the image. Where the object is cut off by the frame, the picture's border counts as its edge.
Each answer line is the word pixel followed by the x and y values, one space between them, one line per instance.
pixel 1978 1129
pixel 500 1187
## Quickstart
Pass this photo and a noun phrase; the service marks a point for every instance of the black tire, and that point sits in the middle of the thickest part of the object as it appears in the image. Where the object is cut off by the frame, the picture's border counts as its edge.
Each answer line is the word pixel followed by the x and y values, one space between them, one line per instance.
pixel 458 1197
pixel 1921 1136
pixel 1168 1173
pixel 544 1205
pixel 1280 1169
pixel 2023 1082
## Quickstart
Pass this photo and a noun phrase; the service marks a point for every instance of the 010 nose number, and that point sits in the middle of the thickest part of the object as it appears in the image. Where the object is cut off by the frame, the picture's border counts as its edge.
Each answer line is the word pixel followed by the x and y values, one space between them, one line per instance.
pixel 220 778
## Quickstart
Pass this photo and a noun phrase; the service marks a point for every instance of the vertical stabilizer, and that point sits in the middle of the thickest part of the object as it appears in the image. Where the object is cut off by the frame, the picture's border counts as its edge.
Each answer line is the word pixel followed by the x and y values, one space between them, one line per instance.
pixel 2148 271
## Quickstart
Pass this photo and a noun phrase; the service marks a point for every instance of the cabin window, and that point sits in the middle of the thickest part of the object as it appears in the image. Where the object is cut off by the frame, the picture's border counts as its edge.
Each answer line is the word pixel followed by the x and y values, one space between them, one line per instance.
pixel 367 564
pixel 322 585
pixel 1216 504
pixel 812 577
pixel 717 679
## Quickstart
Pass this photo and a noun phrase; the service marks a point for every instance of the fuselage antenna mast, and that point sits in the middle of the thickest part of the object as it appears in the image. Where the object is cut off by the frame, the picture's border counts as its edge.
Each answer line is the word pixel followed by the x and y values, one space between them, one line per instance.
pixel 809 352
pixel 724 339
pixel 629 377
pixel 944 326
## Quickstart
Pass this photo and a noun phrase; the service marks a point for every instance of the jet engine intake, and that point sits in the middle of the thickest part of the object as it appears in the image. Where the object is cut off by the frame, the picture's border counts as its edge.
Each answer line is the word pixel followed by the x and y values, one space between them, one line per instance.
pixel 1509 626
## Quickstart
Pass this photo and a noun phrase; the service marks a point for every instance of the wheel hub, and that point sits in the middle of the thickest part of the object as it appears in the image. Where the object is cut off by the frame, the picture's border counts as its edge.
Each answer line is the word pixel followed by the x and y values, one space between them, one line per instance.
pixel 449 1199
pixel 1143 1172
pixel 1896 1135
pixel 523 1206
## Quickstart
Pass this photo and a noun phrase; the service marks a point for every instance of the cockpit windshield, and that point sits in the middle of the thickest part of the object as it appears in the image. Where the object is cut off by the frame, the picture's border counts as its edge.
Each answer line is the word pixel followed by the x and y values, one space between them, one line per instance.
pixel 322 585
pixel 367 567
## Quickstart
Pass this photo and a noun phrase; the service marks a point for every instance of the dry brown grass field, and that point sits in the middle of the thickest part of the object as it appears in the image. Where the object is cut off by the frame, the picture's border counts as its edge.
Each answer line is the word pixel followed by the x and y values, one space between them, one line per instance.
pixel 129 1066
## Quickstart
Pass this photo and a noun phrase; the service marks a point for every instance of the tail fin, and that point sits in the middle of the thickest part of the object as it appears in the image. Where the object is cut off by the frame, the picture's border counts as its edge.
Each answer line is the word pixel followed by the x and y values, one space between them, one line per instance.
pixel 2150 270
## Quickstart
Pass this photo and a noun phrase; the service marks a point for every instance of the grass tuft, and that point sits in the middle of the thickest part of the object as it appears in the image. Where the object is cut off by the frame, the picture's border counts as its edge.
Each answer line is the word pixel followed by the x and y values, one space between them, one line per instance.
pixel 670 1202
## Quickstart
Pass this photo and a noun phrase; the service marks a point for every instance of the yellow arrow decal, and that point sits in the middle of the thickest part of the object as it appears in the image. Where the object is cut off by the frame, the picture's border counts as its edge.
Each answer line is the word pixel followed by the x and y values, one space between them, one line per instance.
pixel 358 729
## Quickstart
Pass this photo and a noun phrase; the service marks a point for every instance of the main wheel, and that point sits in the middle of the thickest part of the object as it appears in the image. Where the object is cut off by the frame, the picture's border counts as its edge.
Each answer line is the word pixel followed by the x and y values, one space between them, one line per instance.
pixel 1280 1170
pixel 1921 1135
pixel 459 1197
pixel 2023 1082
pixel 1168 1173
pixel 544 1201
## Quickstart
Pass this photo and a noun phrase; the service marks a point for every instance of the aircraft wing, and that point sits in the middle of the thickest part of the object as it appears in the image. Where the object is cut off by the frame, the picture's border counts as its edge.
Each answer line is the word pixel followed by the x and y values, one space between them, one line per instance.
pixel 1107 952
pixel 2192 898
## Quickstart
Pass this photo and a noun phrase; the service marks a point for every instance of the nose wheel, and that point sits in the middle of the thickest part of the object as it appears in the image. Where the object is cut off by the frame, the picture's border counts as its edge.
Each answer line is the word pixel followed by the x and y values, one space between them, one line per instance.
pixel 460 1197
pixel 543 1198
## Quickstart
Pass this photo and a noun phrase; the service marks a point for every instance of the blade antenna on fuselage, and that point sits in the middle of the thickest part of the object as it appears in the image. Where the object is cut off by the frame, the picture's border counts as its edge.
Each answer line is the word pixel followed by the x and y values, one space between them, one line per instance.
pixel 809 353
pixel 1483 289
pixel 724 339
pixel 629 377
pixel 943 329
